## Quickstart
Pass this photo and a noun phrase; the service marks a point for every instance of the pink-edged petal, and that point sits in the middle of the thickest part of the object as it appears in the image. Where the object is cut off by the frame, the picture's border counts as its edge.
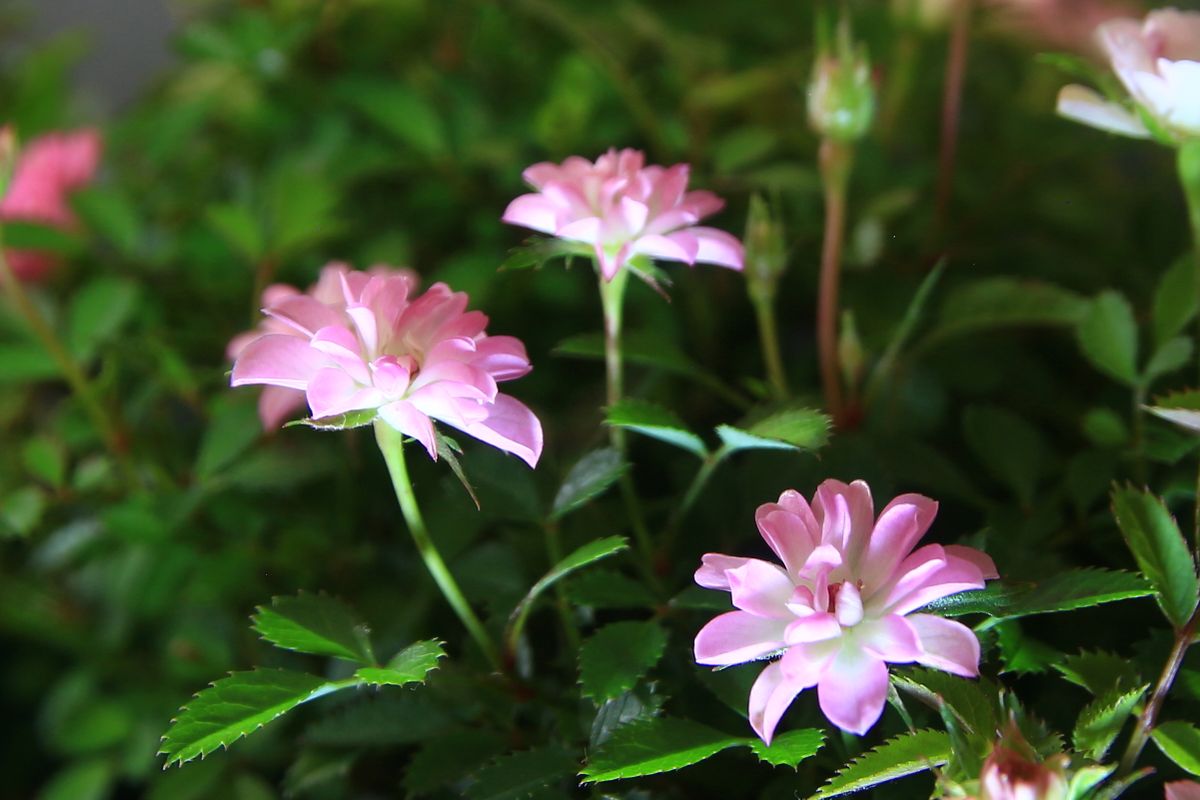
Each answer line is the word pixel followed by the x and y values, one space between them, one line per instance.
pixel 405 417
pixel 846 514
pixel 762 589
pixel 300 312
pixel 1126 47
pixel 921 585
pixel 581 230
pixel 900 525
pixel 718 247
pixel 633 215
pixel 736 637
pixel 807 662
pixel 787 534
pixel 533 211
pixel 1182 790
pixel 502 356
pixel 333 391
pixel 1081 104
pixel 853 690
pixel 343 348
pixel 278 360
pixel 947 645
pixel 980 559
pixel 849 608
pixel 770 697
pixel 511 427
pixel 891 638
pixel 817 627
pixel 713 566
pixel 664 247
pixel 276 404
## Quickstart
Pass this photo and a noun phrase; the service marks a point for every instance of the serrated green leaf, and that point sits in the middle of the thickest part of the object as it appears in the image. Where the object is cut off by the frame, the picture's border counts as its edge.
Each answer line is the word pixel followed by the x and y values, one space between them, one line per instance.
pixel 517 775
pixel 1008 446
pixel 316 770
pixel 1098 672
pixel 656 745
pixel 1003 303
pixel 1022 653
pixel 445 759
pixel 234 707
pixel 1175 300
pixel 1101 721
pixel 534 253
pixel 790 748
pixel 315 624
pixel 410 665
pixel 604 588
pixel 1065 591
pixel 97 312
pixel 617 655
pixel 589 478
pixel 1180 742
pixel 906 754
pixel 1168 357
pixel 641 703
pixel 975 703
pixel 1087 778
pixel 656 422
pixel 789 429
pixel 1108 337
pixel 1181 408
pixel 1160 550
pixel 581 557
pixel 339 422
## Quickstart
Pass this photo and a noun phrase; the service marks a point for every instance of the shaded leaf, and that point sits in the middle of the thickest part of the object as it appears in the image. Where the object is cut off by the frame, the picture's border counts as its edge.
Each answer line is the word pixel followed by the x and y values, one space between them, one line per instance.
pixel 1006 302
pixel 589 478
pixel 1098 672
pixel 315 624
pixel 604 588
pixel 97 312
pixel 1180 742
pixel 1108 337
pixel 1170 356
pixel 519 774
pixel 444 759
pixel 410 665
pixel 656 422
pixel 1160 550
pixel 1182 408
pixel 617 655
pixel 790 748
pixel 1101 721
pixel 652 746
pixel 1175 300
pixel 906 754
pixel 581 557
pixel 791 429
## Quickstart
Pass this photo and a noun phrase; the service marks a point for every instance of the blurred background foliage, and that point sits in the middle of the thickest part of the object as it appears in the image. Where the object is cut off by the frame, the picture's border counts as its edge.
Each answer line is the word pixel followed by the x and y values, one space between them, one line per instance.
pixel 290 133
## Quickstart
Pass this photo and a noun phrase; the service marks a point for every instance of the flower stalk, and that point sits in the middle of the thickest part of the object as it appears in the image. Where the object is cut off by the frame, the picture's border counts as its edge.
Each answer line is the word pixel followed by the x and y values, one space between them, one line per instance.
pixel 766 261
pixel 956 70
pixel 1188 162
pixel 391 444
pixel 68 367
pixel 836 158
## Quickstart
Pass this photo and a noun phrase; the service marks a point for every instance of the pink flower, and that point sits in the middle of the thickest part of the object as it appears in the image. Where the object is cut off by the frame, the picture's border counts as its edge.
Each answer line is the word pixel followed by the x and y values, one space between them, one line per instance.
pixel 839 610
pixel 1158 61
pixel 1182 790
pixel 277 403
pixel 49 169
pixel 1010 774
pixel 1061 24
pixel 411 359
pixel 623 208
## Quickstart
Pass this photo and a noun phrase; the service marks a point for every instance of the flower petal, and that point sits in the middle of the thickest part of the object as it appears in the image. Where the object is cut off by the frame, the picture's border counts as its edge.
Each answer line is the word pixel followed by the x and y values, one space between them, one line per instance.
pixel 713 566
pixel 948 645
pixel 404 417
pixel 789 535
pixel 1081 104
pixel 762 589
pixel 511 427
pixel 718 247
pixel 891 638
pixel 533 211
pixel 853 690
pixel 737 637
pixel 900 525
pixel 279 360
pixel 770 697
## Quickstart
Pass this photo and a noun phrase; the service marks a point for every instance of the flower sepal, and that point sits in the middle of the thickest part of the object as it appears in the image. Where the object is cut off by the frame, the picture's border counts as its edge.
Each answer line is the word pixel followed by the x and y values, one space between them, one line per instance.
pixel 338 422
pixel 536 251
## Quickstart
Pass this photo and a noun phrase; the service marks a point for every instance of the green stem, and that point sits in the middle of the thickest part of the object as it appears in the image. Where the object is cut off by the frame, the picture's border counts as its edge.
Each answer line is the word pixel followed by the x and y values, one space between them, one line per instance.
pixel 768 333
pixel 707 467
pixel 835 161
pixel 1189 178
pixel 612 301
pixel 391 444
pixel 1149 715
pixel 81 387
pixel 1139 433
pixel 554 551
pixel 956 70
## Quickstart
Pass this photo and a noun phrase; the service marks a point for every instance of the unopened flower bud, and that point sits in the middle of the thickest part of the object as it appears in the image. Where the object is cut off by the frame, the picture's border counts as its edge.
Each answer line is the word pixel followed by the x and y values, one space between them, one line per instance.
pixel 766 256
pixel 841 96
pixel 926 15
pixel 1013 772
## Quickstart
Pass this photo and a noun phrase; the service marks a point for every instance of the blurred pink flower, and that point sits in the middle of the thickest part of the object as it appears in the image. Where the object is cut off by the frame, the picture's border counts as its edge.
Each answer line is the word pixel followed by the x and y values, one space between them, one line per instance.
pixel 48 170
pixel 412 359
pixel 1061 24
pixel 1182 790
pixel 1158 61
pixel 840 608
pixel 623 208
pixel 277 403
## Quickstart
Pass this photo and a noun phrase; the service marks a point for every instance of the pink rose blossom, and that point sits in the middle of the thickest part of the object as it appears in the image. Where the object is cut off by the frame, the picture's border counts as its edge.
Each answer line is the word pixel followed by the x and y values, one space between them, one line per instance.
pixel 623 208
pixel 1182 790
pixel 412 359
pixel 49 169
pixel 1158 61
pixel 839 610
pixel 277 403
